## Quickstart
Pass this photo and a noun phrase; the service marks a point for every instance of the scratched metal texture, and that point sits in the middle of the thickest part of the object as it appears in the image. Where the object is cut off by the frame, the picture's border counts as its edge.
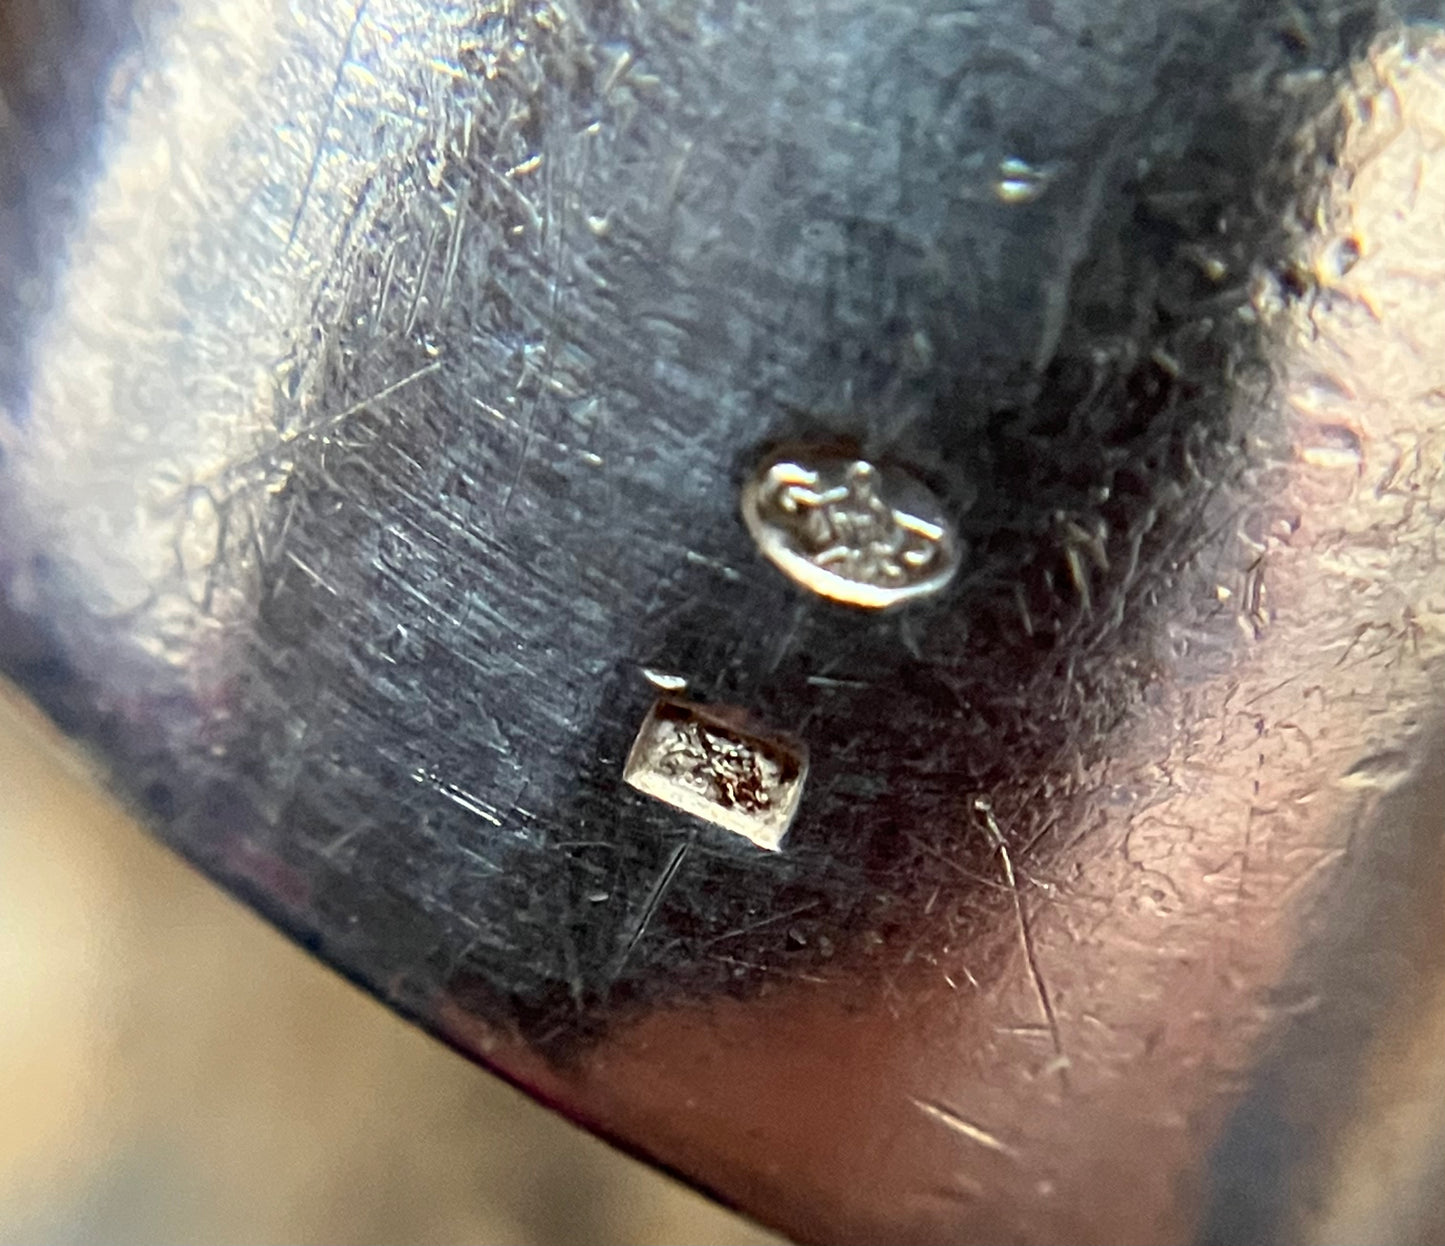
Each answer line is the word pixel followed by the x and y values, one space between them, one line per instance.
pixel 375 414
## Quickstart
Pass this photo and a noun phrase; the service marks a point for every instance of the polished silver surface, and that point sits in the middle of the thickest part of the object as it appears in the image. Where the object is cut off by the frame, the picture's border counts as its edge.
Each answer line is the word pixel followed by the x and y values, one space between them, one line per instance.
pixel 379 381
pixel 848 530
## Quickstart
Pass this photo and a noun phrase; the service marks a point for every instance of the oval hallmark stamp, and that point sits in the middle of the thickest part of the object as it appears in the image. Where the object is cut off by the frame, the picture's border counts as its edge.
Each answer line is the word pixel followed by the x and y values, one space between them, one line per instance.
pixel 850 530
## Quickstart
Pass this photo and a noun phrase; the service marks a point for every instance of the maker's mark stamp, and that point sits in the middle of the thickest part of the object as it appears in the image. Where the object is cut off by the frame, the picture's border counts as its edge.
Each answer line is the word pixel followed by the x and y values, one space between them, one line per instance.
pixel 848 529
pixel 709 762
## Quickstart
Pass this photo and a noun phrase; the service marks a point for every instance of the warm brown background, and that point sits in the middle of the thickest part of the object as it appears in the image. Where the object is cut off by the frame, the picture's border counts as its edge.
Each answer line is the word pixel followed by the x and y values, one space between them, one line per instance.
pixel 173 1070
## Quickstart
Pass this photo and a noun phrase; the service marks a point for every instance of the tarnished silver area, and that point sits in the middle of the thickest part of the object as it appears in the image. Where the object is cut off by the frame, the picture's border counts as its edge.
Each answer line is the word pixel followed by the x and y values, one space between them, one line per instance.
pixel 850 530
pixel 707 762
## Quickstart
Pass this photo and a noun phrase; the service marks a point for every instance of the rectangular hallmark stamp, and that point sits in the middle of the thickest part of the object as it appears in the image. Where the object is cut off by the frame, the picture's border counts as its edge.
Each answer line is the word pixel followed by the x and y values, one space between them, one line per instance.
pixel 708 761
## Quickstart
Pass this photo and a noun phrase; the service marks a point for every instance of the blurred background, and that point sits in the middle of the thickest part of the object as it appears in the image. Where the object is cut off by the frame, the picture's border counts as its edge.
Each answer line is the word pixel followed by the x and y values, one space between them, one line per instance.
pixel 171 1069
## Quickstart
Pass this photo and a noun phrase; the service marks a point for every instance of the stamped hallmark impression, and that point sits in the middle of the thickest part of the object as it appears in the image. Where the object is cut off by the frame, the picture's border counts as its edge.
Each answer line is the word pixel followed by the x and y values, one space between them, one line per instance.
pixel 848 529
pixel 706 762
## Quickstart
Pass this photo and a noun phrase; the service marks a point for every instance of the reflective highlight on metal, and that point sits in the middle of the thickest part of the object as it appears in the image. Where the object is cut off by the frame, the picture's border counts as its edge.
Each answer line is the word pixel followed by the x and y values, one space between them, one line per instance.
pixel 848 530
pixel 705 761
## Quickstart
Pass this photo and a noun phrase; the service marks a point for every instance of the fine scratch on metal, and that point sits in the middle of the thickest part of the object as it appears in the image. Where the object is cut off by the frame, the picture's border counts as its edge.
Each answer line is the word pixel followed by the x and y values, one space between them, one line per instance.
pixel 241 467
pixel 331 421
pixel 388 277
pixel 776 970
pixel 530 419
pixel 413 311
pixel 961 870
pixel 523 455
pixel 655 897
pixel 459 796
pixel 549 340
pixel 454 247
pixel 787 635
pixel 464 801
pixel 311 574
pixel 326 118
pixel 974 1133
pixel 1026 939
pixel 763 923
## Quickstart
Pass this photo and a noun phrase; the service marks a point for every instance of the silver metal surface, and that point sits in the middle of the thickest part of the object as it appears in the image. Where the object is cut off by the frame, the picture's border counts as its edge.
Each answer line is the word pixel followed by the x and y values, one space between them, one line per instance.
pixel 378 384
